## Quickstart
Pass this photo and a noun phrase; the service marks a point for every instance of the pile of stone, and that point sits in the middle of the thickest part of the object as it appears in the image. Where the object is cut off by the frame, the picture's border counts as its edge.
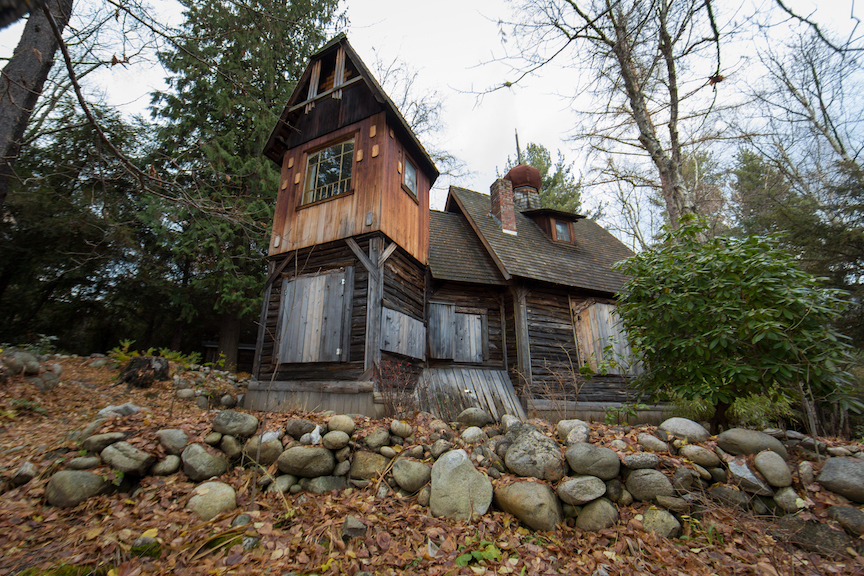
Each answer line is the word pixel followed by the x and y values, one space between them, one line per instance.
pixel 41 371
pixel 459 470
pixel 209 387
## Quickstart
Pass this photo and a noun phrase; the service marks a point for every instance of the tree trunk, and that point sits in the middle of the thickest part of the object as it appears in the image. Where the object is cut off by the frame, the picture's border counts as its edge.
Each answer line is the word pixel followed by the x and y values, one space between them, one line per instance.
pixel 22 81
pixel 229 339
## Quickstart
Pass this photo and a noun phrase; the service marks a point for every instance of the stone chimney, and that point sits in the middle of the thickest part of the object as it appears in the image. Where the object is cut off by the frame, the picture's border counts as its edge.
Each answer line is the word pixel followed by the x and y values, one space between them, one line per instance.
pixel 526 187
pixel 501 192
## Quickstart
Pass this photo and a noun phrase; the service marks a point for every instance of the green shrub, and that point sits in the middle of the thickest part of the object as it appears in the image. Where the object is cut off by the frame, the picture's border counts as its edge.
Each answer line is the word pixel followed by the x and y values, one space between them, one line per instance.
pixel 726 318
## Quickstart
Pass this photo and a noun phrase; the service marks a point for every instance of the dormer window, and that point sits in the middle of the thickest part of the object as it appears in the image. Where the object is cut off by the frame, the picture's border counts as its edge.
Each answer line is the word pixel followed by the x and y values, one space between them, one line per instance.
pixel 328 172
pixel 562 231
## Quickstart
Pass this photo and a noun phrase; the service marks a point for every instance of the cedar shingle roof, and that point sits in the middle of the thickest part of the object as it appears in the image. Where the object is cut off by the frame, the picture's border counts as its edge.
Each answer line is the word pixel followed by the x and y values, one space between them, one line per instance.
pixel 531 254
pixel 455 252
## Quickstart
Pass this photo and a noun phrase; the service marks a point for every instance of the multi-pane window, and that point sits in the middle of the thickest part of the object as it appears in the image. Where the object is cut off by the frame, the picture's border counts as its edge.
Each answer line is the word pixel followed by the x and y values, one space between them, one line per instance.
pixel 562 231
pixel 410 177
pixel 328 172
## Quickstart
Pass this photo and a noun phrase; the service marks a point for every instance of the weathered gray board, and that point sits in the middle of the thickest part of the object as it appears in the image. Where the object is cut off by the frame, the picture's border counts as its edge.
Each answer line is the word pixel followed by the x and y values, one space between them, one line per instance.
pixel 343 397
pixel 445 392
pixel 314 321
pixel 597 326
pixel 402 334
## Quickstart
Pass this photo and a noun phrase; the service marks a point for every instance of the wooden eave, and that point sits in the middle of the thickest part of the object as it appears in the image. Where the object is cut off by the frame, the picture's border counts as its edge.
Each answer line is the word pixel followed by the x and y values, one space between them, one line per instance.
pixel 276 143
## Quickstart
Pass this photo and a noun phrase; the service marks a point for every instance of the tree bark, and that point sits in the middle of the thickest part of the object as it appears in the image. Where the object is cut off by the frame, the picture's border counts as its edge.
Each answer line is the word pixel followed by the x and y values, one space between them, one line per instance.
pixel 22 81
pixel 229 338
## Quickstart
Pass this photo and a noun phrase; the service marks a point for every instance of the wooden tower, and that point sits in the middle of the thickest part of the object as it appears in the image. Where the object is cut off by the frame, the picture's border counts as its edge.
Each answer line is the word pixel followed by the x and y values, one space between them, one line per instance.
pixel 350 241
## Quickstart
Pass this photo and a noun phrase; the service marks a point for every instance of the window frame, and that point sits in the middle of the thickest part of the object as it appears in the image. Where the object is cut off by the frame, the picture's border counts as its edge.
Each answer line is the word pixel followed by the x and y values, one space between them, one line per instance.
pixel 407 161
pixel 305 201
pixel 568 224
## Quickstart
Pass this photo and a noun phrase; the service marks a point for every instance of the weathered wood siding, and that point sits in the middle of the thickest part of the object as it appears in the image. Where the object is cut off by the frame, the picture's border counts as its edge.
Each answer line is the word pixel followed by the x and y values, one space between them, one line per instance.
pixel 555 358
pixel 402 334
pixel 314 320
pixel 377 202
pixel 445 392
pixel 597 328
pixel 465 325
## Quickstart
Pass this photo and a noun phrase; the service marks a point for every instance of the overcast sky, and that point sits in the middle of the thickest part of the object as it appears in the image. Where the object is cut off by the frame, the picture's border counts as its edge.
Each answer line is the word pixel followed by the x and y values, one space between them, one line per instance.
pixel 454 45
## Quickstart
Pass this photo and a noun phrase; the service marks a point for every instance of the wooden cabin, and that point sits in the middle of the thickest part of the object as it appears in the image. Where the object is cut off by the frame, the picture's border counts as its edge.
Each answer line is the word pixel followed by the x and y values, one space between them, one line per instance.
pixel 362 276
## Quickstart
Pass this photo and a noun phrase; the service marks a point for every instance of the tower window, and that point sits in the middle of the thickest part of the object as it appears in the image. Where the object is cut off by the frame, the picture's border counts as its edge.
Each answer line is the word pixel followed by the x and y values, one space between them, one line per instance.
pixel 328 172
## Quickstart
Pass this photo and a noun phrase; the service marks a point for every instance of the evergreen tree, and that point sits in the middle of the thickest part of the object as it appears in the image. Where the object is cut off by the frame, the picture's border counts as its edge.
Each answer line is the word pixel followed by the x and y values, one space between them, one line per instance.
pixel 233 67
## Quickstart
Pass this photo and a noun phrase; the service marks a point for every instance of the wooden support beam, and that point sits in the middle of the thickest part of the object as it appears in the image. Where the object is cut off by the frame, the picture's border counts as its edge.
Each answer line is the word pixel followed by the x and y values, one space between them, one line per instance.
pixel 275 274
pixel 262 322
pixel 371 267
pixel 523 345
pixel 386 254
pixel 373 302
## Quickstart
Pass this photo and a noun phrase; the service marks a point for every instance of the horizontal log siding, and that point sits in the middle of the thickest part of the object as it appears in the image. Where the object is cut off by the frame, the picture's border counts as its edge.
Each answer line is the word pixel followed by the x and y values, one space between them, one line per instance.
pixel 554 359
pixel 471 296
pixel 404 285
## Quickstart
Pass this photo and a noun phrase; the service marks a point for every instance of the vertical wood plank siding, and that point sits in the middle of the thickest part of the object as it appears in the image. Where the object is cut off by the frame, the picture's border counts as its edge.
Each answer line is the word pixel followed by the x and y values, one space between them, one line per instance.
pixel 378 201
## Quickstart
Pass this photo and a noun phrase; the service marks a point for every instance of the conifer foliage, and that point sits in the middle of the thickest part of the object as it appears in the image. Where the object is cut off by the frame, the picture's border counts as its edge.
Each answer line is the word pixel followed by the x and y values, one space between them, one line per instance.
pixel 233 65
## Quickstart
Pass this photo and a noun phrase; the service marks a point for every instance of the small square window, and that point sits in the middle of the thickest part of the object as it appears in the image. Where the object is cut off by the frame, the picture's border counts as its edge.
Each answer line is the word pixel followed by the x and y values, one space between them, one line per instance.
pixel 409 177
pixel 328 172
pixel 562 231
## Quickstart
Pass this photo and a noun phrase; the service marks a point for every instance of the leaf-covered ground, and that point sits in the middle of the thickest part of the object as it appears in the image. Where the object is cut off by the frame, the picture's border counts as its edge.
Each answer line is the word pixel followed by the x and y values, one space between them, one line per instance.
pixel 302 533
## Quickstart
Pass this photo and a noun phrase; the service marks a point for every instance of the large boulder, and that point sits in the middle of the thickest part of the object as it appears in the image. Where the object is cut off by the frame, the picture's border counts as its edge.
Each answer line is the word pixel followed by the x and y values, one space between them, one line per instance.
pixel 173 440
pixel 773 468
pixel 324 484
pixel 307 461
pixel 341 423
pixel 747 480
pixel 534 454
pixel 98 442
pixel 662 522
pixel 474 417
pixel 269 450
pixel 533 503
pixel 25 362
pixel 200 464
pixel 459 490
pixel 127 458
pixel 685 428
pixel 368 466
pixel 591 460
pixel 298 427
pixel 845 476
pixel 411 475
pixel 237 424
pixel 598 515
pixel 851 519
pixel 564 427
pixel 211 499
pixel 740 441
pixel 647 484
pixel 699 455
pixel 581 489
pixel 815 536
pixel 68 488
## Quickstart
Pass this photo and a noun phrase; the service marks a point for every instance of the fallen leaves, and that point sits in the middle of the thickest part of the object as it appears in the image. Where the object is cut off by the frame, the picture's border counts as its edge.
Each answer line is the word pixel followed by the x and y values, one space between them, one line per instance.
pixel 303 532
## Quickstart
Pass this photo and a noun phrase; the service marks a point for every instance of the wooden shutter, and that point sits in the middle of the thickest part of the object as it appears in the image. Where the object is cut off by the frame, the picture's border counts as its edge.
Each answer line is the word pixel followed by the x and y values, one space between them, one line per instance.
pixel 469 338
pixel 403 334
pixel 598 326
pixel 442 330
pixel 315 317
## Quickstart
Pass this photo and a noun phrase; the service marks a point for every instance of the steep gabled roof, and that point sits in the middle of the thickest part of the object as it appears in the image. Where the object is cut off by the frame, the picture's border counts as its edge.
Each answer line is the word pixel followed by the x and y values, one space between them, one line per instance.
pixel 277 142
pixel 531 254
pixel 455 252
